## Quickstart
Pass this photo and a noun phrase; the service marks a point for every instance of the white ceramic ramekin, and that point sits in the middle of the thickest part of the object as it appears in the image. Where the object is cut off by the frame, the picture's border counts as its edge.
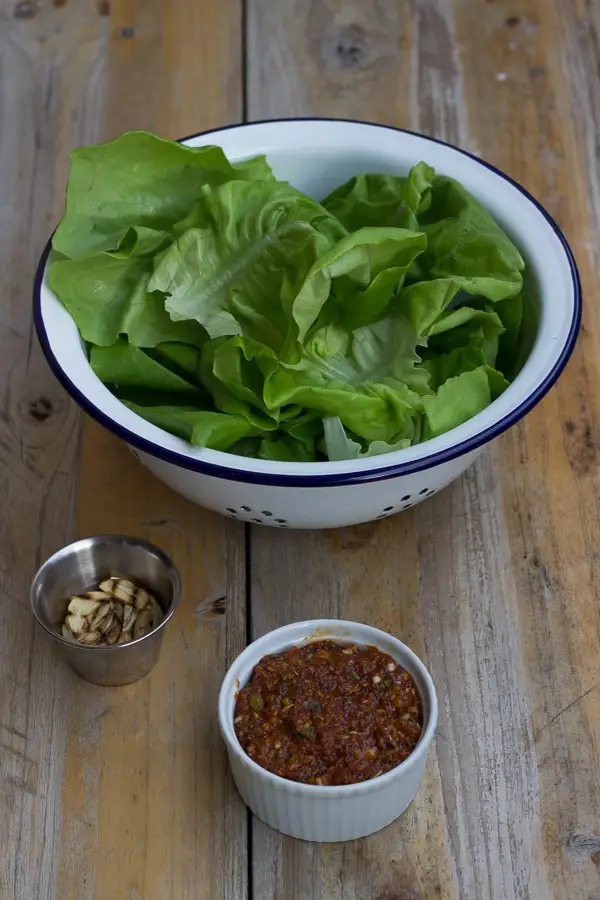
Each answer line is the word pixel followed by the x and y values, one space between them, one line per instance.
pixel 311 812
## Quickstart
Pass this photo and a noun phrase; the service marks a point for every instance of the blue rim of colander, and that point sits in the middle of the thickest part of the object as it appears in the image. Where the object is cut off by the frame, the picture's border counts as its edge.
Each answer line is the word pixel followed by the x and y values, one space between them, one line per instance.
pixel 334 479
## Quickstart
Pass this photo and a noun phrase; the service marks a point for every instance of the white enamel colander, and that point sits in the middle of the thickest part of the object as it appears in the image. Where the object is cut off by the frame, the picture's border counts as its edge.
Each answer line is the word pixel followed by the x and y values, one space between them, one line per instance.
pixel 316 155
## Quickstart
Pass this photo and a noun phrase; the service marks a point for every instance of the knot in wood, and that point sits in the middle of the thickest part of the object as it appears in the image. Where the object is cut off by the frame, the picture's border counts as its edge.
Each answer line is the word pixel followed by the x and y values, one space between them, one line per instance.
pixel 347 49
pixel 26 9
pixel 402 893
pixel 212 607
pixel 584 845
pixel 40 409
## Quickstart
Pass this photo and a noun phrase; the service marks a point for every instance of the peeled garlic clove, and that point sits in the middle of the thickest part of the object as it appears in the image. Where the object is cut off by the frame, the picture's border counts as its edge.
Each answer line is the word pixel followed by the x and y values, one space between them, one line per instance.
pixel 98 595
pixel 142 599
pixel 119 611
pixel 129 617
pixel 107 623
pixel 107 585
pixel 143 623
pixel 83 606
pixel 101 612
pixel 116 612
pixel 113 633
pixel 123 590
pixel 76 623
pixel 92 637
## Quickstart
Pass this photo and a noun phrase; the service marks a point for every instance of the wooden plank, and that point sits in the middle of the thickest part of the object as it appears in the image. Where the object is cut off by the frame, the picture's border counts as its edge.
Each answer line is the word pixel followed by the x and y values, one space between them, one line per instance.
pixel 492 581
pixel 149 809
pixel 357 60
pixel 369 573
pixel 121 792
pixel 548 465
pixel 48 79
pixel 146 785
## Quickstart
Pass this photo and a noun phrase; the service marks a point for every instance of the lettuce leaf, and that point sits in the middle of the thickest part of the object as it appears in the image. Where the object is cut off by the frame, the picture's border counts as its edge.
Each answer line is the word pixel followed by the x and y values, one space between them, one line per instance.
pixel 382 200
pixel 230 370
pixel 242 272
pixel 464 241
pixel 264 265
pixel 126 365
pixel 205 428
pixel 232 310
pixel 108 296
pixel 286 448
pixel 373 411
pixel 340 446
pixel 138 179
pixel 460 398
pixel 368 201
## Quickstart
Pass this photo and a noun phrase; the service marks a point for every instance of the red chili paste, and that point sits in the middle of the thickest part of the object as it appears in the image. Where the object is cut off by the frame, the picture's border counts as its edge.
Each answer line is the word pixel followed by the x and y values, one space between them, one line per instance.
pixel 329 714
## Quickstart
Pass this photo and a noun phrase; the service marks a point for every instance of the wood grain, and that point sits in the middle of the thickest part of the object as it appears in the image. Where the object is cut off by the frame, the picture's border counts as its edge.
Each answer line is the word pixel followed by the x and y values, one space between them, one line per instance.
pixel 493 581
pixel 49 67
pixel 147 793
pixel 148 803
pixel 548 465
pixel 551 496
pixel 125 793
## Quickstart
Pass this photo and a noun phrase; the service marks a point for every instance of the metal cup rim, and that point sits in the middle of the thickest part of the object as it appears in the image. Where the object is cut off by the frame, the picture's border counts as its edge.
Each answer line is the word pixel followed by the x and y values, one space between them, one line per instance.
pixel 81 543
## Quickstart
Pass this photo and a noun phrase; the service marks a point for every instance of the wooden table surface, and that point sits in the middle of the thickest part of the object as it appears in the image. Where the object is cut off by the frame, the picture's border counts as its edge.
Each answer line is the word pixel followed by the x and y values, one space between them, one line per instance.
pixel 124 794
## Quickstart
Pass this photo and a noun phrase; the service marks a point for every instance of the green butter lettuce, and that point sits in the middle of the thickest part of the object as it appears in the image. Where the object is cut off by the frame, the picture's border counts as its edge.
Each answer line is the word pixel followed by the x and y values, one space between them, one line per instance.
pixel 228 308
pixel 126 365
pixel 252 268
pixel 368 201
pixel 382 200
pixel 138 179
pixel 108 296
pixel 464 241
pixel 214 430
pixel 230 370
pixel 461 397
pixel 341 446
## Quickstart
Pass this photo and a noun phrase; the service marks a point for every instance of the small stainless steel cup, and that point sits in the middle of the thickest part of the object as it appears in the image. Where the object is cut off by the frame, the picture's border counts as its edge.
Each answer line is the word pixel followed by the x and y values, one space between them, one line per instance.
pixel 82 566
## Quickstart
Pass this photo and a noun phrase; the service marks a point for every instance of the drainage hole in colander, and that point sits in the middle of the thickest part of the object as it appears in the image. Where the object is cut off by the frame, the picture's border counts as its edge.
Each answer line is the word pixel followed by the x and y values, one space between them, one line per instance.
pixel 265 512
pixel 406 506
pixel 245 509
pixel 388 508
pixel 258 521
pixel 405 498
pixel 431 492
pixel 280 521
pixel 424 491
pixel 231 511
